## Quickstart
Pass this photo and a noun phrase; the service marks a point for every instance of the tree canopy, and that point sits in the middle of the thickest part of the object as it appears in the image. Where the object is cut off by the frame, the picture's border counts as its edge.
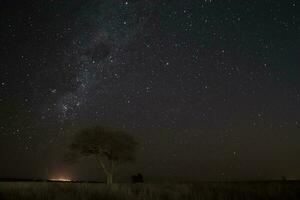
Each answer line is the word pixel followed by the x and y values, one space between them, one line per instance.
pixel 110 147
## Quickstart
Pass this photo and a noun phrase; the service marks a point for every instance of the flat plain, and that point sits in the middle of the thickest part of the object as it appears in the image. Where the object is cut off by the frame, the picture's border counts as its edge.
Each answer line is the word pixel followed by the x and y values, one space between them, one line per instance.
pixel 277 190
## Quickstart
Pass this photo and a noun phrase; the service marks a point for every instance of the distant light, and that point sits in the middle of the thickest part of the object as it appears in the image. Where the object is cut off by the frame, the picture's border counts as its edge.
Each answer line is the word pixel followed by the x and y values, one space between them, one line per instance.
pixel 61 179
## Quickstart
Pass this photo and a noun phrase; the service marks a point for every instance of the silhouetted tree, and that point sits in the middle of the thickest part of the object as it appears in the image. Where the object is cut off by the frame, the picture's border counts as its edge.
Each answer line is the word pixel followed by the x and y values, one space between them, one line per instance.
pixel 109 147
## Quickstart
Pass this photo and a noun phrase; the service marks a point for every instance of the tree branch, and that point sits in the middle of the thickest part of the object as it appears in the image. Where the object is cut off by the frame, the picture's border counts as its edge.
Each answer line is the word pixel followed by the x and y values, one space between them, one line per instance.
pixel 102 164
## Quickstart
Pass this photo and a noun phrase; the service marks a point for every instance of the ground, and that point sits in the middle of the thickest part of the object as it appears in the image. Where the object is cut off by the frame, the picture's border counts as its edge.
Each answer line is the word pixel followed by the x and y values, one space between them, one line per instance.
pixel 289 190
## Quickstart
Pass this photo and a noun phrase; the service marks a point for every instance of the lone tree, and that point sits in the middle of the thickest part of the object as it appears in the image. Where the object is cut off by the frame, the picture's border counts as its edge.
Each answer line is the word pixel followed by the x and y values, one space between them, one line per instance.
pixel 109 147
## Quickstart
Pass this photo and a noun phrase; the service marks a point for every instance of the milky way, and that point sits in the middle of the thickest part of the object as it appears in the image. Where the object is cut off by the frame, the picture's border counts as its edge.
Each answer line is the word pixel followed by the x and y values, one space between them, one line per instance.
pixel 102 32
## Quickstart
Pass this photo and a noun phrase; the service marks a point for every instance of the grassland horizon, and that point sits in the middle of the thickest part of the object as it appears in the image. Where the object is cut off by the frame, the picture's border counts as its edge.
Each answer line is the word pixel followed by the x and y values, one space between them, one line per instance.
pixel 46 190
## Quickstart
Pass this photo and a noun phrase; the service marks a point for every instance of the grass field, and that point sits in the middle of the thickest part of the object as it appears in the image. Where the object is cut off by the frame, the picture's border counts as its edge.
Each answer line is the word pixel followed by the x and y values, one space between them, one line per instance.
pixel 284 190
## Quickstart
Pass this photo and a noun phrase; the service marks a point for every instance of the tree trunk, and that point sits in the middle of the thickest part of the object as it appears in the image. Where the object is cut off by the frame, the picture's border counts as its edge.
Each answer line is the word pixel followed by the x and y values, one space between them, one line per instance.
pixel 110 173
pixel 108 170
pixel 109 178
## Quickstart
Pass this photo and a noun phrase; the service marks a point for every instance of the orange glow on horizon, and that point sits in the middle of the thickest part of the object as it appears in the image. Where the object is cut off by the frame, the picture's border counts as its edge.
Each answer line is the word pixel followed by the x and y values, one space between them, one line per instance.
pixel 62 179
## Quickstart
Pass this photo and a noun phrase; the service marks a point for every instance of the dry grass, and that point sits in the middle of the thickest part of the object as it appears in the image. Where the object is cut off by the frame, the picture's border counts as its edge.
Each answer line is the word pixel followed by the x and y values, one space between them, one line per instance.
pixel 200 191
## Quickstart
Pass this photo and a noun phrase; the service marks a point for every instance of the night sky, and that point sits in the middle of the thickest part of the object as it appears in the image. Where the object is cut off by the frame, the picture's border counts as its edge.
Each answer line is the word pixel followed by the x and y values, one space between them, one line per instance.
pixel 210 88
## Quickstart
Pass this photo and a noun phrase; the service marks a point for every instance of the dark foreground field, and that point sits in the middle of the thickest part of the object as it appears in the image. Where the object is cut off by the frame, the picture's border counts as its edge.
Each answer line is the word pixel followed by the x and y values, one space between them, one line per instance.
pixel 203 191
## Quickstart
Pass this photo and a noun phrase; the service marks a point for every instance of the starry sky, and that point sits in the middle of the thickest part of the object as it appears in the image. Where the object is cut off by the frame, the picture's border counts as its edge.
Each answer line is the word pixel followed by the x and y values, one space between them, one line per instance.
pixel 211 89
